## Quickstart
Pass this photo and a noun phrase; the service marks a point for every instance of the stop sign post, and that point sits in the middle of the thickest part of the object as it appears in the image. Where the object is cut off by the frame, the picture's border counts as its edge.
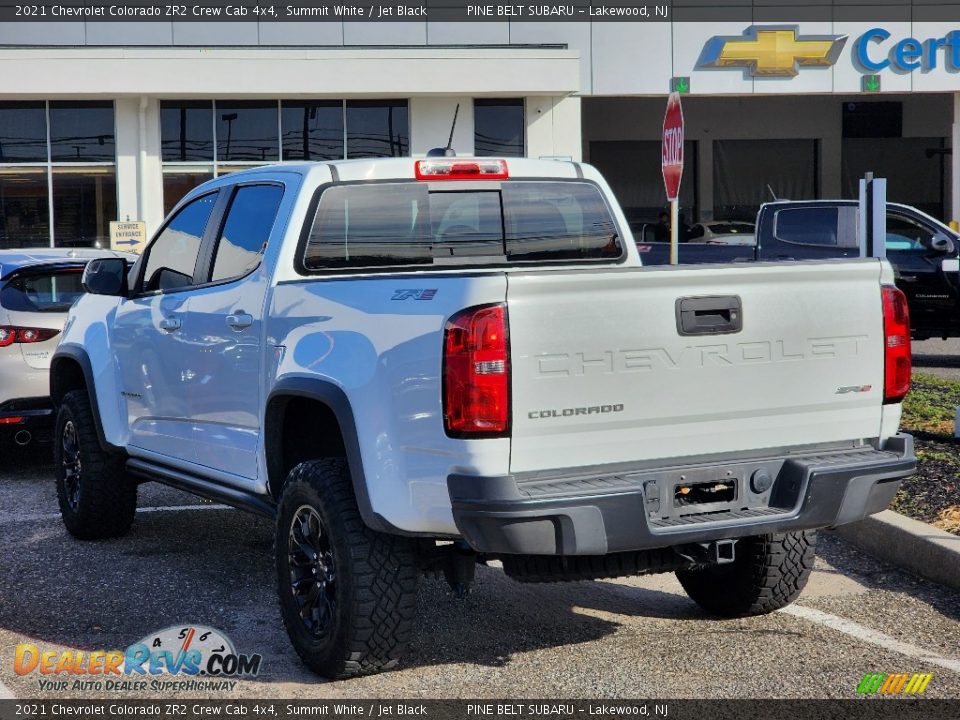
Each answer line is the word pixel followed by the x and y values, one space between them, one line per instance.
pixel 671 157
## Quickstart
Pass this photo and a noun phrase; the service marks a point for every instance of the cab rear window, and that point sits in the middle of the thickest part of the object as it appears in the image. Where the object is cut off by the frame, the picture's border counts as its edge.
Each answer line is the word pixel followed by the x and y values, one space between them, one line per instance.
pixel 401 224
pixel 42 291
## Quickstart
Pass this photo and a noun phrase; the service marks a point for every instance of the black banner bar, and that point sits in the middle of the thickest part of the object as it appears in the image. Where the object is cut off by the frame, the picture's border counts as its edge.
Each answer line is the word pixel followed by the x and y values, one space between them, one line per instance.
pixel 742 11
pixel 873 708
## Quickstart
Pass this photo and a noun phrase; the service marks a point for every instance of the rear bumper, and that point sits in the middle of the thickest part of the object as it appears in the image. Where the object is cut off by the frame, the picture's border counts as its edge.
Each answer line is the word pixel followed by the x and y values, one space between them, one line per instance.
pixel 34 415
pixel 595 513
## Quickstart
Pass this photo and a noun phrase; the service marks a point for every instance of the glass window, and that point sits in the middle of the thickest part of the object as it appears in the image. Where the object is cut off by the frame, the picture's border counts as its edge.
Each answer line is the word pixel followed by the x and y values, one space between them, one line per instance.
pixel 176 184
pixel 247 131
pixel 24 208
pixel 81 132
pixel 555 221
pixel 904 233
pixel 172 258
pixel 312 130
pixel 23 132
pixel 377 128
pixel 186 131
pixel 466 223
pixel 498 127
pixel 370 225
pixel 84 203
pixel 42 291
pixel 252 213
pixel 808 226
pixel 387 224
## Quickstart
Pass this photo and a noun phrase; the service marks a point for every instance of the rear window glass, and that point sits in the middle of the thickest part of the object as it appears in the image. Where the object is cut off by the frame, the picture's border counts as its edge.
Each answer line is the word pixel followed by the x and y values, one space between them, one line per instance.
pixel 808 226
pixel 42 292
pixel 398 224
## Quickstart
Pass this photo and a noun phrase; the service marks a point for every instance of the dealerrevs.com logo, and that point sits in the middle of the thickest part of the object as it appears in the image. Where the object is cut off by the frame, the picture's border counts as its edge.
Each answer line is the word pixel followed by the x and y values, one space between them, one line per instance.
pixel 180 657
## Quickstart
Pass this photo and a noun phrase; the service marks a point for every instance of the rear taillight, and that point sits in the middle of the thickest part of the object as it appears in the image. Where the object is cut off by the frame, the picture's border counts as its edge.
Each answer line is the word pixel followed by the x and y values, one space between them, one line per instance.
pixel 476 373
pixel 896 345
pixel 461 169
pixel 10 335
pixel 13 420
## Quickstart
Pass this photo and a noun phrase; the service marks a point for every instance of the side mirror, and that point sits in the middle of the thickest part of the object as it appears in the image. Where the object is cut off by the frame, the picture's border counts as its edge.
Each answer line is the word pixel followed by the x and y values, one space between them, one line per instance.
pixel 942 244
pixel 105 276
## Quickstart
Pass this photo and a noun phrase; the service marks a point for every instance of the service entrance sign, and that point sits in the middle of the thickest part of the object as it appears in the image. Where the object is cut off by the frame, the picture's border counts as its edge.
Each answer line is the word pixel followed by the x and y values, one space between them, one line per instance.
pixel 671 161
pixel 130 236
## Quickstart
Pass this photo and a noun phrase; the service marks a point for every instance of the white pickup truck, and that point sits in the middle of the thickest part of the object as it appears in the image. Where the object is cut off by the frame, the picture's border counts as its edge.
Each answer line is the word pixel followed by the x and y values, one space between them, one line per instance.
pixel 416 365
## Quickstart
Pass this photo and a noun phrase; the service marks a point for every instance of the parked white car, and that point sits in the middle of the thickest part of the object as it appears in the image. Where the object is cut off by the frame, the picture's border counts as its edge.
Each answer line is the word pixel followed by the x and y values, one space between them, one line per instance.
pixel 37 288
pixel 721 232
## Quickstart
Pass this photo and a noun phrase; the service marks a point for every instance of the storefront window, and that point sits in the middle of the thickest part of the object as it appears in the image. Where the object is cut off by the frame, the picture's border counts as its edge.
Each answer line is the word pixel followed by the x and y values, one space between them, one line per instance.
pixel 247 131
pixel 377 128
pixel 71 178
pixel 24 208
pixel 82 132
pixel 312 130
pixel 177 182
pixel 498 127
pixel 84 203
pixel 186 131
pixel 23 132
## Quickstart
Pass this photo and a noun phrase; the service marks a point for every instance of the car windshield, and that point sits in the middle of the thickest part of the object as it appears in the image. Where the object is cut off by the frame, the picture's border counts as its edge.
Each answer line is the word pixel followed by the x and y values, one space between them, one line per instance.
pixel 42 291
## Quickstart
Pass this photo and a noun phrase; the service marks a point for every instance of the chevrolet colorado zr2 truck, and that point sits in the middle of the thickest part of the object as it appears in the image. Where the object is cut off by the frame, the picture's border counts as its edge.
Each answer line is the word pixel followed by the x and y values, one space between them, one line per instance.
pixel 413 366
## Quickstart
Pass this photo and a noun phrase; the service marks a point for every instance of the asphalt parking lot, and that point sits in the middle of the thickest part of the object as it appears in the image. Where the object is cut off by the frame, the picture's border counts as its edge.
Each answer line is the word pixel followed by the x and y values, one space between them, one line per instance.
pixel 637 637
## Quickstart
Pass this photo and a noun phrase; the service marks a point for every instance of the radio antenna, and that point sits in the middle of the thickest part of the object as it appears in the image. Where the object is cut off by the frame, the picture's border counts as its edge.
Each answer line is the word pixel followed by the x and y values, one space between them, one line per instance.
pixel 448 150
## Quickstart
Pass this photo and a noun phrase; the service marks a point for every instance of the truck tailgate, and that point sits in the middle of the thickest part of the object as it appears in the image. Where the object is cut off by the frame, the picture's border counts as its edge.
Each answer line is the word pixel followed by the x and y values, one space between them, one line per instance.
pixel 601 373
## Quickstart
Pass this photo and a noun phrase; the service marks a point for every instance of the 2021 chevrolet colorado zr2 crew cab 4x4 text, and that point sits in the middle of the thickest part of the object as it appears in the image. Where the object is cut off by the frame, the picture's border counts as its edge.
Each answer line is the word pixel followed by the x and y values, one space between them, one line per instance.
pixel 413 365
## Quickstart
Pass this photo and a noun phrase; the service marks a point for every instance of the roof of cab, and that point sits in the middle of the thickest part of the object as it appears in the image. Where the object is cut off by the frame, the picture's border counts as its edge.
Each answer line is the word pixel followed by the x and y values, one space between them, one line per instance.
pixel 403 168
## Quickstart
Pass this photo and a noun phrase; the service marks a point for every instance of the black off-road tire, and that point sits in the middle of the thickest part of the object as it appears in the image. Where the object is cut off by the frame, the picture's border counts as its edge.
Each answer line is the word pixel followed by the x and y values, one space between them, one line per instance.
pixel 99 499
pixel 367 614
pixel 769 573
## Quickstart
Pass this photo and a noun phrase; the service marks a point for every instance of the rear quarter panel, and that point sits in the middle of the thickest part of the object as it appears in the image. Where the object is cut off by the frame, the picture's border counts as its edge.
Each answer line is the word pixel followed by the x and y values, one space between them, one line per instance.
pixel 383 348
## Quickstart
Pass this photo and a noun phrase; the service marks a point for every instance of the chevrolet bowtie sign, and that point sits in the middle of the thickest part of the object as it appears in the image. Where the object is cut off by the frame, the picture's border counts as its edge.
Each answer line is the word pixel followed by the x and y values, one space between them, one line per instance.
pixel 771 51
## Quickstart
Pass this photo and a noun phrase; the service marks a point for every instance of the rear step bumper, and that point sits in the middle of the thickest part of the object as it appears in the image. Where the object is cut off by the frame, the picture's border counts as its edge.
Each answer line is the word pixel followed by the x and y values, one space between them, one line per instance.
pixel 595 513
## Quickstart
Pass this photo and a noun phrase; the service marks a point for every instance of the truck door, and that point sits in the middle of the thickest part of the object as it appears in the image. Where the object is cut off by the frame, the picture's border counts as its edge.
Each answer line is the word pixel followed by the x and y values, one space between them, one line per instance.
pixel 148 330
pixel 224 333
pixel 927 276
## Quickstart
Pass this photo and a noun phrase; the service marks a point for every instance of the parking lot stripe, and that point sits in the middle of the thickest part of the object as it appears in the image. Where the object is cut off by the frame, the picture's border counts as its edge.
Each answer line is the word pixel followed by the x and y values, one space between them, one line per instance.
pixel 163 508
pixel 848 627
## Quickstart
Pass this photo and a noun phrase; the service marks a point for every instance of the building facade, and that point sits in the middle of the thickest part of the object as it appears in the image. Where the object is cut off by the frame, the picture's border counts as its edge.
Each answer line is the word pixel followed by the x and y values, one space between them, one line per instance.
pixel 104 121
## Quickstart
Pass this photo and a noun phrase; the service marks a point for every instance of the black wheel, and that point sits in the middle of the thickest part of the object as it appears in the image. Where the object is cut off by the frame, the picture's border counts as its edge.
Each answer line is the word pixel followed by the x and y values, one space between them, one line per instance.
pixel 97 498
pixel 347 594
pixel 769 572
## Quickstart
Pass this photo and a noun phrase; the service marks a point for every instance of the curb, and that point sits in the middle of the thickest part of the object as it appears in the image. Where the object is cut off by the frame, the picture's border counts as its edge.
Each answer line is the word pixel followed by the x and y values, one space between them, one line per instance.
pixel 909 544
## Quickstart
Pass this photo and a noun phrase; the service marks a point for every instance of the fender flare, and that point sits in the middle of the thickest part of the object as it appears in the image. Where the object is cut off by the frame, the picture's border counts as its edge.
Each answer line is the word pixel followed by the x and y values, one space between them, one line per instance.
pixel 336 399
pixel 78 355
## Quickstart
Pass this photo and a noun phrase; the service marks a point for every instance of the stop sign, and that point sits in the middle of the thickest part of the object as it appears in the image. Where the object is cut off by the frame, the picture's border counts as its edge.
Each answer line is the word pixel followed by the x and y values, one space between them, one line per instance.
pixel 671 155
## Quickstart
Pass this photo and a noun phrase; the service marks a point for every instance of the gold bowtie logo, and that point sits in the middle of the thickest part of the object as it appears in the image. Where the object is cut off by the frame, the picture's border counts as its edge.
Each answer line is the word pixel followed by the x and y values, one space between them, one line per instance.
pixel 771 51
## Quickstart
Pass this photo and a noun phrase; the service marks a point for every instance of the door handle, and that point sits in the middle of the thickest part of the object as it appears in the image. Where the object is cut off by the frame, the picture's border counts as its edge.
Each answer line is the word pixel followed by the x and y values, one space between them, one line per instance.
pixel 170 323
pixel 717 315
pixel 240 320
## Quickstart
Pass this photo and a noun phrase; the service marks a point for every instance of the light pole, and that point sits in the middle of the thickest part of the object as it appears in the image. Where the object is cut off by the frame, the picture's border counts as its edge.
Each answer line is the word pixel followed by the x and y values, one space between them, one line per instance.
pixel 228 118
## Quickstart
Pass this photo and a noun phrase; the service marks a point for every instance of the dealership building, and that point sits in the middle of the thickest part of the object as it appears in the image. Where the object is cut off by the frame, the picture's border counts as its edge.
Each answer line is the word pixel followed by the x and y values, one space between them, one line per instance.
pixel 103 121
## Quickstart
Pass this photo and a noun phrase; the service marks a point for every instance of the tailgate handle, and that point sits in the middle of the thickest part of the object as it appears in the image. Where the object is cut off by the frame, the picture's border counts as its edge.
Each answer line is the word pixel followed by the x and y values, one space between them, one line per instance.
pixel 716 315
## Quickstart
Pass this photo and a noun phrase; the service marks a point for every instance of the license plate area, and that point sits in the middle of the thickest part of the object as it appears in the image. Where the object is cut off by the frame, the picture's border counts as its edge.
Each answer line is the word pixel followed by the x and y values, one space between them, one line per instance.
pixel 700 494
